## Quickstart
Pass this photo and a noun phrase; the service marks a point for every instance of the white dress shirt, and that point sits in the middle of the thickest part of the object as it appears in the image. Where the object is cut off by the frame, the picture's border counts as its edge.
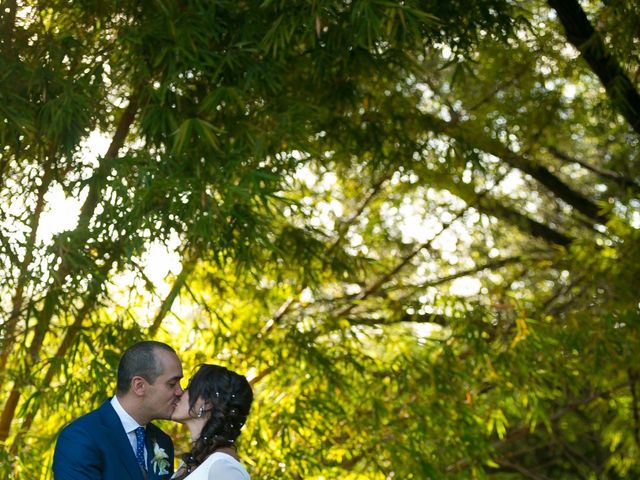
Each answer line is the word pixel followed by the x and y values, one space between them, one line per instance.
pixel 129 425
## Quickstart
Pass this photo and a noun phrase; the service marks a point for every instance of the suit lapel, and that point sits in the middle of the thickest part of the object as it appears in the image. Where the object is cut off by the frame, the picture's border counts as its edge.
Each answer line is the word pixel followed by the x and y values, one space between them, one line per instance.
pixel 119 440
pixel 151 441
pixel 149 444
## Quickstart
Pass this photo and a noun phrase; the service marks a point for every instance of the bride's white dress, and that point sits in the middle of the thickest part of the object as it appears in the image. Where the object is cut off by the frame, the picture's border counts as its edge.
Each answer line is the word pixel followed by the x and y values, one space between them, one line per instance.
pixel 219 466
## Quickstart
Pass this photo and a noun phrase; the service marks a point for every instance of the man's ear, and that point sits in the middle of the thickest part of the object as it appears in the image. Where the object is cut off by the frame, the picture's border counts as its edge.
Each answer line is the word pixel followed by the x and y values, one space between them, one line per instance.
pixel 138 385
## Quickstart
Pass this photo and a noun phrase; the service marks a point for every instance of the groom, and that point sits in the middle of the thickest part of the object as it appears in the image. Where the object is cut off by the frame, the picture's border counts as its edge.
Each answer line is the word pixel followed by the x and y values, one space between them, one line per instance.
pixel 117 441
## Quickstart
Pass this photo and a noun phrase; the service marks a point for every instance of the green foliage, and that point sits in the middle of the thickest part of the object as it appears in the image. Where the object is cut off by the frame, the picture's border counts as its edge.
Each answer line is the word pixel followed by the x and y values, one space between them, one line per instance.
pixel 414 225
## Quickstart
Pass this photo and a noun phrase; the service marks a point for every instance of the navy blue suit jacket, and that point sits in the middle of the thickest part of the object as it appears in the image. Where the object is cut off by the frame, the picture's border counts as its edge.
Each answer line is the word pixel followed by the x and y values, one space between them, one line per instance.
pixel 96 447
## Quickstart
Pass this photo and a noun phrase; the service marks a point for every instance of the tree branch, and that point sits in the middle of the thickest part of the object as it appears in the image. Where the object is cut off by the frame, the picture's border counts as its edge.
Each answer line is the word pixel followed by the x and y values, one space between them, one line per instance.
pixel 502 85
pixel 344 226
pixel 466 133
pixel 517 433
pixel 375 286
pixel 620 179
pixel 492 265
pixel 520 469
pixel 493 207
pixel 404 318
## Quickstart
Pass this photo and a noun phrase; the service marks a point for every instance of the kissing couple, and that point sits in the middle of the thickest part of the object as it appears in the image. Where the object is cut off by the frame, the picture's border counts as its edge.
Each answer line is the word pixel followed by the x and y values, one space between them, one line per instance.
pixel 118 441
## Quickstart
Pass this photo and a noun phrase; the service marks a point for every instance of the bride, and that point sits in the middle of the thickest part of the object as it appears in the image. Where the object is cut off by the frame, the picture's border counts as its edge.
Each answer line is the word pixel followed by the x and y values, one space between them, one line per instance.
pixel 214 407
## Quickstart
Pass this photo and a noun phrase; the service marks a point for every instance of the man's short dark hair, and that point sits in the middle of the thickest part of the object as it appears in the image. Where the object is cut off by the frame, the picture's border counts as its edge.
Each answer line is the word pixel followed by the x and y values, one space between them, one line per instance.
pixel 140 360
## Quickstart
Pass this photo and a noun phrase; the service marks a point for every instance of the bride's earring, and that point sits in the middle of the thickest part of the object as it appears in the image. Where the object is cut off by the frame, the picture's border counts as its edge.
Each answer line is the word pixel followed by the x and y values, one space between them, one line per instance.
pixel 201 411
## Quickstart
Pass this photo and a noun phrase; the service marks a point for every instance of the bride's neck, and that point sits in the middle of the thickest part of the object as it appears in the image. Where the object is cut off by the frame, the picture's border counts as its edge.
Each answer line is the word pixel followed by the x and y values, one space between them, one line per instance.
pixel 195 428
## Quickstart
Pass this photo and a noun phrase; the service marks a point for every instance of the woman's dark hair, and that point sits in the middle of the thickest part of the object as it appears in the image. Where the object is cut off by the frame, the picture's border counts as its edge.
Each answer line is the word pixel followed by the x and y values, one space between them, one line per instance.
pixel 229 396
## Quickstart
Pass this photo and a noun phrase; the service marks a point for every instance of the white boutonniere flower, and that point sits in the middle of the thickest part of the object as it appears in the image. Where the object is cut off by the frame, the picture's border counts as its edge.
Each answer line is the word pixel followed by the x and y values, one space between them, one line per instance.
pixel 160 460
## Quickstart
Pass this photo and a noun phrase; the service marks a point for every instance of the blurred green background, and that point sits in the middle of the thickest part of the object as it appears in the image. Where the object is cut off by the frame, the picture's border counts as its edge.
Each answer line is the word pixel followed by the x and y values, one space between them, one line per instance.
pixel 414 225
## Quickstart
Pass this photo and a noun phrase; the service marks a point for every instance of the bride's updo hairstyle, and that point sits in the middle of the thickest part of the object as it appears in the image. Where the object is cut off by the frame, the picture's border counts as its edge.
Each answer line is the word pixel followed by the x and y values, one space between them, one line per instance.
pixel 227 396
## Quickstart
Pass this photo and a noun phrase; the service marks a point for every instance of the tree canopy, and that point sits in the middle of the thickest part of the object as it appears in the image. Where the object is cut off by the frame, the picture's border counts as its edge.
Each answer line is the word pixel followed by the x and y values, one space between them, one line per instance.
pixel 414 225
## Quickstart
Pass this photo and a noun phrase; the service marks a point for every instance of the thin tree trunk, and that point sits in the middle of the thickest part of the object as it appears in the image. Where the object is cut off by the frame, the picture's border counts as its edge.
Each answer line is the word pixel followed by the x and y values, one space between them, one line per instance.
pixel 65 267
pixel 8 11
pixel 67 342
pixel 588 41
pixel 188 265
pixel 6 346
pixel 7 23
pixel 634 406
pixel 7 414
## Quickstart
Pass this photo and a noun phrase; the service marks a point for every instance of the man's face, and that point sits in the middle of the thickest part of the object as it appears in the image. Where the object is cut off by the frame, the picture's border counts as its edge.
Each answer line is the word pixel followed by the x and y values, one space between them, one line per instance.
pixel 162 395
pixel 182 413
